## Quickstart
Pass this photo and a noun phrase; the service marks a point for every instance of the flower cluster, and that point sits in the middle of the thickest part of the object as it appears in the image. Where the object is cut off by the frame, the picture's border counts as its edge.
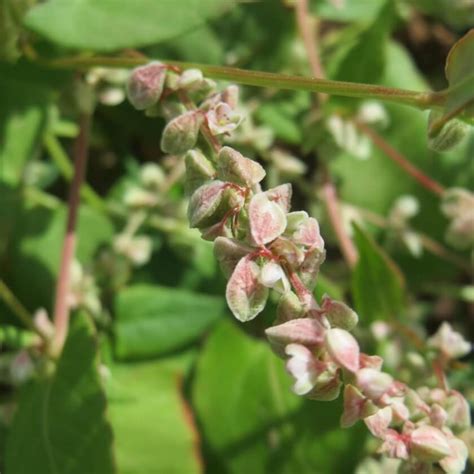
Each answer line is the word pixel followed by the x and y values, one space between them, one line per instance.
pixel 261 245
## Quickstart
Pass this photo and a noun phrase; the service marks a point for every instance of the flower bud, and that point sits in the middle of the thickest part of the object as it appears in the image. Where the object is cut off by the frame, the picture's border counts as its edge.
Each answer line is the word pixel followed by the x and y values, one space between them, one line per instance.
pixel 356 406
pixel 152 176
pixel 289 307
pixel 230 95
pixel 286 249
pixel 449 342
pixel 281 195
pixel 228 253
pixel 379 422
pixel 455 462
pixel 190 79
pixel 448 136
pixel 370 362
pixel 233 166
pixel 305 331
pixel 198 170
pixel 245 295
pixel 343 348
pixel 181 133
pixel 136 249
pixel 309 269
pixel 429 444
pixel 273 276
pixel 145 85
pixel 137 197
pixel 205 203
pixel 438 416
pixel 303 367
pixel 267 219
pixel 458 411
pixel 339 314
pixel 373 383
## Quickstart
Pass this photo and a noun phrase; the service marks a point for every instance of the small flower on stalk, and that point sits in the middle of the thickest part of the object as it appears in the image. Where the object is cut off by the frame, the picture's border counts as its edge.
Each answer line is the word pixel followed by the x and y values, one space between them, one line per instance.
pixel 223 119
pixel 449 342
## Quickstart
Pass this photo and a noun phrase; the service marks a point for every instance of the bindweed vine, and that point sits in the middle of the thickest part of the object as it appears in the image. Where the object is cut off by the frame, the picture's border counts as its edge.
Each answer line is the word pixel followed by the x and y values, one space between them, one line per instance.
pixel 262 245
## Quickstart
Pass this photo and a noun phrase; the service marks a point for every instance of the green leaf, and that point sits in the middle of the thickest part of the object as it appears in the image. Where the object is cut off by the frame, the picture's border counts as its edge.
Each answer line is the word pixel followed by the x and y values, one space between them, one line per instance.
pixel 36 243
pixel 364 58
pixel 25 93
pixel 251 420
pixel 108 25
pixel 148 415
pixel 60 424
pixel 460 74
pixel 152 320
pixel 362 10
pixel 11 12
pixel 377 283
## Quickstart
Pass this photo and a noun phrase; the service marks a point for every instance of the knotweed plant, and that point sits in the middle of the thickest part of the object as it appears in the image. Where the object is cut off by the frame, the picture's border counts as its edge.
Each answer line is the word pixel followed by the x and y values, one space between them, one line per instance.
pixel 264 245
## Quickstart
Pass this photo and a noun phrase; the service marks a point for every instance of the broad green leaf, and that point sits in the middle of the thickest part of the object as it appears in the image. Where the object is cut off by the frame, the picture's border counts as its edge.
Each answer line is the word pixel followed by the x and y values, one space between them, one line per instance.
pixel 152 320
pixel 377 283
pixel 253 423
pixel 60 424
pixel 108 25
pixel 35 248
pixel 152 431
pixel 25 93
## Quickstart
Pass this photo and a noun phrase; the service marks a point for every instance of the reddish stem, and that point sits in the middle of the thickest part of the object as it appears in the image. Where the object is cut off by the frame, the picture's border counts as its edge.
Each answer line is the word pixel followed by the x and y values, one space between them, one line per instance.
pixel 334 213
pixel 61 307
pixel 427 182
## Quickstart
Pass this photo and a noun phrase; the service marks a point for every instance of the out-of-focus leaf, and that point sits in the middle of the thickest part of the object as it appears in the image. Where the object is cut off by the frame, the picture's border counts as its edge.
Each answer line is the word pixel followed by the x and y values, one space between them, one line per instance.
pixel 60 424
pixel 377 283
pixel 25 93
pixel 347 10
pixel 152 320
pixel 364 59
pixel 253 423
pixel 11 12
pixel 152 431
pixel 35 248
pixel 108 25
pixel 460 75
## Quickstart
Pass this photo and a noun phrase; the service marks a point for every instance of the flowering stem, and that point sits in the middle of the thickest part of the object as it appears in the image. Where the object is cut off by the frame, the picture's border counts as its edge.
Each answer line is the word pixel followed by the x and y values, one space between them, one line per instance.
pixel 427 182
pixel 420 100
pixel 61 307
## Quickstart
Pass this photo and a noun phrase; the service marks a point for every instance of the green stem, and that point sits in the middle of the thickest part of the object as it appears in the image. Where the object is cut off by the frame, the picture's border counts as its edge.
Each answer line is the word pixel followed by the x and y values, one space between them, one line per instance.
pixel 60 157
pixel 420 100
pixel 18 309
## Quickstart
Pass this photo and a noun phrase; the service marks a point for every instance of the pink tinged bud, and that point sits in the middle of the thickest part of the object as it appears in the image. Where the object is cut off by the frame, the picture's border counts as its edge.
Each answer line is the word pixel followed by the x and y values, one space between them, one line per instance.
pixel 245 295
pixel 198 170
pixel 305 331
pixel 394 445
pixel 370 362
pixel 228 253
pixel 273 276
pixel 449 342
pixel 205 203
pixel 211 233
pixel 145 85
pixel 455 462
pixel 459 414
pixel 281 195
pixel 230 95
pixel 267 219
pixel 289 307
pixel 309 269
pixel 354 406
pixel 339 314
pixel 416 406
pixel 400 411
pixel 373 383
pixel 438 416
pixel 223 119
pixel 303 367
pixel 379 422
pixel 181 133
pixel 327 387
pixel 429 444
pixel 286 249
pixel 343 348
pixel 308 234
pixel 233 166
